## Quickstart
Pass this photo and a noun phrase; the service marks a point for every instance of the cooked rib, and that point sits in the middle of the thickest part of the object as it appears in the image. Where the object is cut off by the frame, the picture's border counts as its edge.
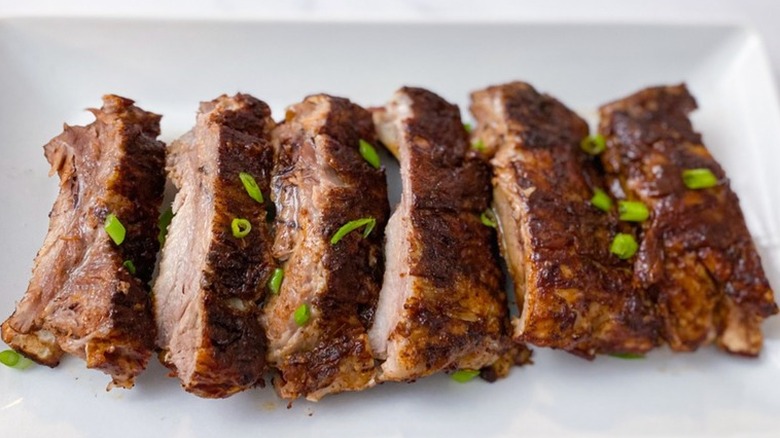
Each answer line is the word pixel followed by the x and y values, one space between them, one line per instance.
pixel 210 286
pixel 696 253
pixel 572 293
pixel 321 183
pixel 442 305
pixel 81 298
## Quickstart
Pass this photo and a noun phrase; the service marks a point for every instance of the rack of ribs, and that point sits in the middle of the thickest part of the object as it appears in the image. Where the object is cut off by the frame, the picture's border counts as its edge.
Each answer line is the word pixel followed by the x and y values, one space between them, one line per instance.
pixel 214 269
pixel 696 255
pixel 442 305
pixel 573 294
pixel 88 294
pixel 317 324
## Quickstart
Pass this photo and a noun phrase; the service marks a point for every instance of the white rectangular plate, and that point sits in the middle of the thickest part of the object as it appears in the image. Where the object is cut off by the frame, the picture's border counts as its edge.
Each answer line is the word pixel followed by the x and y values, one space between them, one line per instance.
pixel 51 69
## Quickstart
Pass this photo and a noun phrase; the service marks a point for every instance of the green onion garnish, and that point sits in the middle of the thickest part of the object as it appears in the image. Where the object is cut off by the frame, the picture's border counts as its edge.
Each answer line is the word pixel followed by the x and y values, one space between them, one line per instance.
pixel 369 153
pixel 240 227
pixel 302 315
pixel 601 200
pixel 350 226
pixel 700 178
pixel 488 218
pixel 624 246
pixel 128 264
pixel 162 225
pixel 463 376
pixel 628 356
pixel 468 127
pixel 593 144
pixel 251 186
pixel 12 359
pixel 116 231
pixel 478 145
pixel 633 211
pixel 275 283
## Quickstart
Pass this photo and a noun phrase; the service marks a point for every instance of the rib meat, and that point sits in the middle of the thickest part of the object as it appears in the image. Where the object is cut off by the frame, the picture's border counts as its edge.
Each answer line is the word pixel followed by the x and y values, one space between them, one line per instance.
pixel 442 305
pixel 696 254
pixel 211 283
pixel 82 299
pixel 322 183
pixel 572 293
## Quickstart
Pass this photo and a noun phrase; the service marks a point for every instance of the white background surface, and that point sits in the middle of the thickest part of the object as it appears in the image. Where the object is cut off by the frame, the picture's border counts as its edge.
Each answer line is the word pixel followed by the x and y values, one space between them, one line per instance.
pixel 764 15
pixel 705 394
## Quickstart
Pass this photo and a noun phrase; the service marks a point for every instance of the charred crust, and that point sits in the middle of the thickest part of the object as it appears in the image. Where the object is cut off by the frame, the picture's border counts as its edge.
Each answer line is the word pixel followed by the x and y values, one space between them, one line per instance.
pixel 537 120
pixel 444 174
pixel 240 114
pixel 101 302
pixel 238 266
pixel 306 372
pixel 578 296
pixel 457 309
pixel 694 237
pixel 445 257
pixel 331 128
pixel 237 269
pixel 236 357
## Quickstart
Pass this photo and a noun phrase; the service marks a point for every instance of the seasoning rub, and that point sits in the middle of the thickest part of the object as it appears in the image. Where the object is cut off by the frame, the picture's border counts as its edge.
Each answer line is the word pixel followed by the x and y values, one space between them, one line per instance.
pixel 695 252
pixel 331 203
pixel 442 305
pixel 217 256
pixel 557 226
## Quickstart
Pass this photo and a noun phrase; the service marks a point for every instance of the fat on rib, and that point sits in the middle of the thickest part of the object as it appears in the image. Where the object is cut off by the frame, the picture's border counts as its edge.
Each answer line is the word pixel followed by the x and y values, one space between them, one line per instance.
pixel 83 298
pixel 211 283
pixel 442 304
pixel 696 255
pixel 573 294
pixel 321 183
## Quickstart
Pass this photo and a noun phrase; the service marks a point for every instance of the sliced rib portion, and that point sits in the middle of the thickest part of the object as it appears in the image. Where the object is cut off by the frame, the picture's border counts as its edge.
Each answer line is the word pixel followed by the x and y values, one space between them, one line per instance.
pixel 573 294
pixel 442 305
pixel 82 299
pixel 321 183
pixel 696 253
pixel 211 282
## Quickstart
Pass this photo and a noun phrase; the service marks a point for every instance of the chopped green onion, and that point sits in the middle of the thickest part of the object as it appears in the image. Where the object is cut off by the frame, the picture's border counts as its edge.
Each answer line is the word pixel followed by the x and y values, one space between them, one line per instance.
pixel 116 231
pixel 478 145
pixel 463 376
pixel 275 283
pixel 601 200
pixel 488 218
pixel 128 264
pixel 240 227
pixel 628 356
pixel 302 315
pixel 700 178
pixel 369 153
pixel 12 359
pixel 624 246
pixel 468 127
pixel 593 144
pixel 350 226
pixel 633 211
pixel 251 186
pixel 162 225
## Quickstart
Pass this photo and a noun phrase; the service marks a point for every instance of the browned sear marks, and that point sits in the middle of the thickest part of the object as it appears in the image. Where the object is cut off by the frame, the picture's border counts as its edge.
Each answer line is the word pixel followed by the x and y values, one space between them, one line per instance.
pixel 442 306
pixel 81 298
pixel 320 184
pixel 573 294
pixel 697 258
